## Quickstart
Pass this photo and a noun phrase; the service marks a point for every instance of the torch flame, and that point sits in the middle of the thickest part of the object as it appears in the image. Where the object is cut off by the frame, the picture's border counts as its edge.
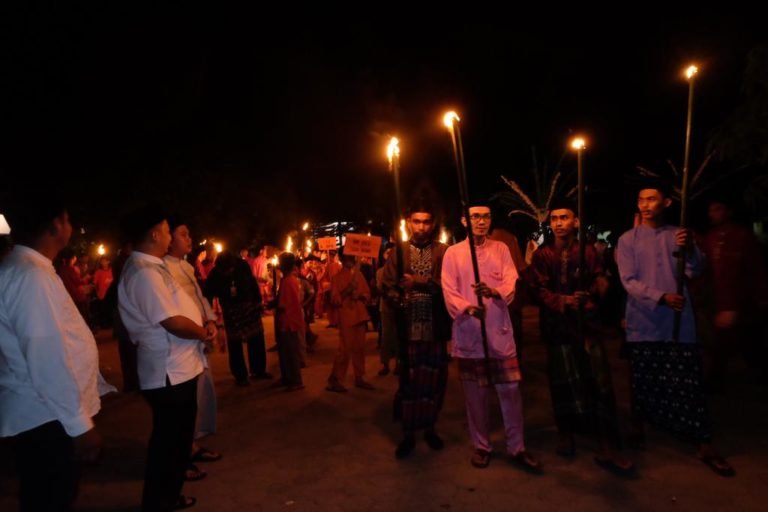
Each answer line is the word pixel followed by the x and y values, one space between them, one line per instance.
pixel 274 260
pixel 305 226
pixel 449 118
pixel 101 250
pixel 443 236
pixel 393 149
pixel 692 70
pixel 403 231
pixel 289 244
pixel 578 143
pixel 218 247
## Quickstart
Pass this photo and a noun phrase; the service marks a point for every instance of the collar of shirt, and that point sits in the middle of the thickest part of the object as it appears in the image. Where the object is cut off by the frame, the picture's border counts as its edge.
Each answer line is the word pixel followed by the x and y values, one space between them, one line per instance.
pixel 29 252
pixel 147 257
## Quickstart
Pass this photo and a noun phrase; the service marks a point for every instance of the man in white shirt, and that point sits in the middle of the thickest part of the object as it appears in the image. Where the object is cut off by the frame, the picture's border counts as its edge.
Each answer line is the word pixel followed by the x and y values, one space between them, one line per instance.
pixel 49 365
pixel 167 328
pixel 184 274
pixel 487 360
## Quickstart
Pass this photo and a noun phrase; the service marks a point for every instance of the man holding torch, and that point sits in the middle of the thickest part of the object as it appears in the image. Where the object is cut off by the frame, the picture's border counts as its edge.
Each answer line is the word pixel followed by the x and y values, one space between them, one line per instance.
pixel 420 397
pixel 666 373
pixel 499 368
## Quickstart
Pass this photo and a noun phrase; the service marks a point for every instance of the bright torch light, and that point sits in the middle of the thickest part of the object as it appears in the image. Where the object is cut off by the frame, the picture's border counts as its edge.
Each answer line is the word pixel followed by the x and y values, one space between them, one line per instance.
pixel 578 143
pixel 289 244
pixel 691 71
pixel 101 250
pixel 443 236
pixel 305 226
pixel 393 149
pixel 218 247
pixel 403 231
pixel 449 118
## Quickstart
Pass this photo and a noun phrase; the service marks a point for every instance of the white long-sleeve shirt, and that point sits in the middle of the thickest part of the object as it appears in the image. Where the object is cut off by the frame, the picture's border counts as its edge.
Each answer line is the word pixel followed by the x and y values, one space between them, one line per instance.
pixel 184 274
pixel 49 363
pixel 497 270
pixel 147 295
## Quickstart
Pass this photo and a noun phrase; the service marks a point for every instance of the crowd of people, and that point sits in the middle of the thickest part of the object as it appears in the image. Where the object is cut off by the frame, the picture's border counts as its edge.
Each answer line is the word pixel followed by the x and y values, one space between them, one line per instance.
pixel 430 304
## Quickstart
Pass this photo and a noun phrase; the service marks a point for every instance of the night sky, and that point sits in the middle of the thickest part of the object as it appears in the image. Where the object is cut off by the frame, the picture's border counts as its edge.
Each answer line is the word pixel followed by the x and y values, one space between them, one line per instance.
pixel 249 123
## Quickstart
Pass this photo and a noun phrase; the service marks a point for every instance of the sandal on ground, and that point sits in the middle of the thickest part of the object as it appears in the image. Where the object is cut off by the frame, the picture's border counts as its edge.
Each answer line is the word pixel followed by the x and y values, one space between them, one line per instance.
pixel 433 440
pixel 718 464
pixel 336 388
pixel 526 460
pixel 481 459
pixel 614 467
pixel 184 502
pixel 205 455
pixel 193 473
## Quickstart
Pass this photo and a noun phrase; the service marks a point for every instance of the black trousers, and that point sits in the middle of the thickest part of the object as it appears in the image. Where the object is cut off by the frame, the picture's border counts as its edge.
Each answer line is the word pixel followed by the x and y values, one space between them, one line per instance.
pixel 173 426
pixel 257 356
pixel 48 472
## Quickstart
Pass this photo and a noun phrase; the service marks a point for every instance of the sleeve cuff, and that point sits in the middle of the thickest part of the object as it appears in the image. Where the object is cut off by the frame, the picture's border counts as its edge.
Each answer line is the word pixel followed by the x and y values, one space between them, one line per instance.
pixel 77 425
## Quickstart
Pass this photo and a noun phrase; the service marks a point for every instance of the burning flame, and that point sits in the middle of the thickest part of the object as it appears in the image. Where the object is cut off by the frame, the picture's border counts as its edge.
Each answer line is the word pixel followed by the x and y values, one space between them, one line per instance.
pixel 403 231
pixel 393 149
pixel 305 226
pixel 101 250
pixel 691 71
pixel 289 244
pixel 578 143
pixel 449 118
pixel 443 236
pixel 218 247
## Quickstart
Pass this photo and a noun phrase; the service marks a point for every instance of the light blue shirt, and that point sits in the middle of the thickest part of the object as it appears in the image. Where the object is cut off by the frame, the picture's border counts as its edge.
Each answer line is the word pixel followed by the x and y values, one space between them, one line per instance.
pixel 648 270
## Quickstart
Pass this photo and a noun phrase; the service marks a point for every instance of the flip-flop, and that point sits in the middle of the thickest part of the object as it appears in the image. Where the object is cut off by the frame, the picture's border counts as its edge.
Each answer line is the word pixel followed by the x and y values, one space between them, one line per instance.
pixel 193 473
pixel 184 502
pixel 481 459
pixel 718 464
pixel 611 466
pixel 526 461
pixel 205 455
